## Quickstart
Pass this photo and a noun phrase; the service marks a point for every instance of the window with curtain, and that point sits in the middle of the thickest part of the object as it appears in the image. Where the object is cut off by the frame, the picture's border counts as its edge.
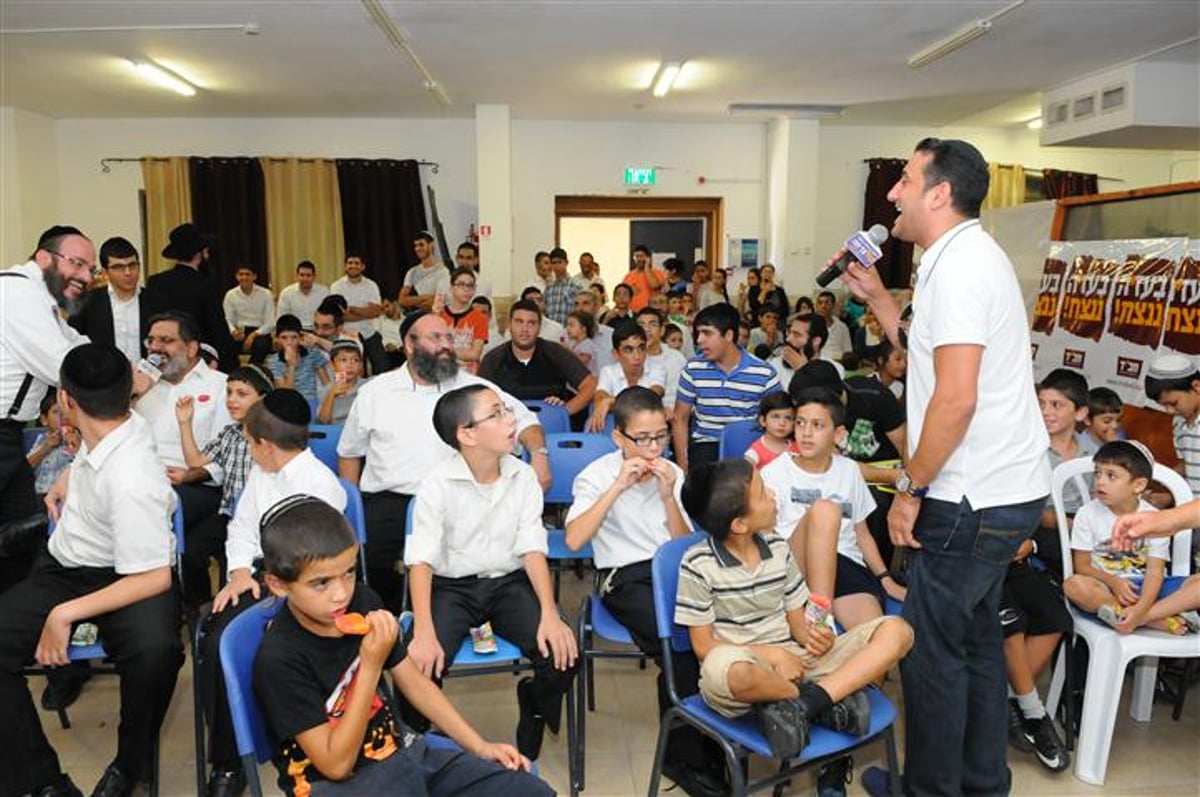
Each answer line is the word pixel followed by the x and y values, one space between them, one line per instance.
pixel 229 201
pixel 382 210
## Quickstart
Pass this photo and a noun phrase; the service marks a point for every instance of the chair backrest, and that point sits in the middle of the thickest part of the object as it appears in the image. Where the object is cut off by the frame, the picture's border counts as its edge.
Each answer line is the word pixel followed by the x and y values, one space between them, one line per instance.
pixel 736 438
pixel 664 575
pixel 239 645
pixel 354 510
pixel 552 417
pixel 1181 547
pixel 571 452
pixel 323 440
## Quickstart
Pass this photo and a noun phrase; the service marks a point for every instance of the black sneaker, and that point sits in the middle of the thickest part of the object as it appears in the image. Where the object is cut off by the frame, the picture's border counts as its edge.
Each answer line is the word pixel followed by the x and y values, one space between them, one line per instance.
pixel 63 787
pixel 785 724
pixel 1016 728
pixel 114 783
pixel 693 782
pixel 226 783
pixel 530 727
pixel 64 685
pixel 1044 738
pixel 834 775
pixel 851 714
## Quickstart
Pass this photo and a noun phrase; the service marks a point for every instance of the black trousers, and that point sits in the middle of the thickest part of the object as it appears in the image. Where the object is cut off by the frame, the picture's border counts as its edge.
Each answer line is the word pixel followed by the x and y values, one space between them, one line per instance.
pixel 142 639
pixel 386 515
pixel 702 453
pixel 630 599
pixel 376 354
pixel 200 504
pixel 17 499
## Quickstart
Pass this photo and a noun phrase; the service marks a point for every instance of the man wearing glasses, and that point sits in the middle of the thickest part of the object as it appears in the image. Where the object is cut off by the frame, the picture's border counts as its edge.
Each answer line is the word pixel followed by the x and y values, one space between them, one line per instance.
pixel 119 314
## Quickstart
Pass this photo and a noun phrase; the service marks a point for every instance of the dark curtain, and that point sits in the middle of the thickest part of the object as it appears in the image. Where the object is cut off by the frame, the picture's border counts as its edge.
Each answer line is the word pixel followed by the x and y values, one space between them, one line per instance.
pixel 1060 185
pixel 229 201
pixel 895 267
pixel 382 211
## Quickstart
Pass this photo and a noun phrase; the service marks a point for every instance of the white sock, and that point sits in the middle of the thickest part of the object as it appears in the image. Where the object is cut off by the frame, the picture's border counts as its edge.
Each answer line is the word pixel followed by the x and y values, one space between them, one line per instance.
pixel 1031 705
pixel 1011 694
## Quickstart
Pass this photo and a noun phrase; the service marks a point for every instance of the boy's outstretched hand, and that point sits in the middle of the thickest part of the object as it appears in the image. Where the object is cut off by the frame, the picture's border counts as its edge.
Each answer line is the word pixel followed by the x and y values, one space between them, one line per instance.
pixel 505 755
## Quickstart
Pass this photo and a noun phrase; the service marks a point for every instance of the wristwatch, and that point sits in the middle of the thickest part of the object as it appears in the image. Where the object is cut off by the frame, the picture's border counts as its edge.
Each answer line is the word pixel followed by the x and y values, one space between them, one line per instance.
pixel 905 485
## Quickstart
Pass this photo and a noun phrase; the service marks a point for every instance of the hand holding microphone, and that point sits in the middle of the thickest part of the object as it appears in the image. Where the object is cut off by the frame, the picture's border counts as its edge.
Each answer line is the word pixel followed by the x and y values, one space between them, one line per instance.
pixel 862 247
pixel 146 372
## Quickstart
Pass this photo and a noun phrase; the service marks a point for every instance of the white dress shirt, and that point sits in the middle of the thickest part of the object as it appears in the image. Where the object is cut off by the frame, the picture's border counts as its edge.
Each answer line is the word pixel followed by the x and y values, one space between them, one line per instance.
pixel 391 424
pixel 254 309
pixel 34 338
pixel 127 317
pixel 672 362
pixel 207 389
pixel 300 304
pixel 613 381
pixel 304 474
pixel 118 508
pixel 463 528
pixel 636 525
pixel 358 294
pixel 839 340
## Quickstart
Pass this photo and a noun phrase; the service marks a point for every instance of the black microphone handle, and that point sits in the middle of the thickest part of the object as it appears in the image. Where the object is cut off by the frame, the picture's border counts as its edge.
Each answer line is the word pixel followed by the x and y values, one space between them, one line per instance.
pixel 835 270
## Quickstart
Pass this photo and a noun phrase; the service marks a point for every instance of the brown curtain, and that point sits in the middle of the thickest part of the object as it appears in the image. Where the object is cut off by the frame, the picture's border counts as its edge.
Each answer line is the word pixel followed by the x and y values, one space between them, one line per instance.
pixel 228 201
pixel 304 218
pixel 168 204
pixel 1006 186
pixel 895 267
pixel 382 210
pixel 1059 184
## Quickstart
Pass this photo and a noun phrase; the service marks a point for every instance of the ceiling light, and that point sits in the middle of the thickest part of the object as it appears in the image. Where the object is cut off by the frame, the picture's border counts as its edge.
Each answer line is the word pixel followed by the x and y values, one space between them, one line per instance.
pixel 1035 123
pixel 666 78
pixel 787 110
pixel 970 33
pixel 161 76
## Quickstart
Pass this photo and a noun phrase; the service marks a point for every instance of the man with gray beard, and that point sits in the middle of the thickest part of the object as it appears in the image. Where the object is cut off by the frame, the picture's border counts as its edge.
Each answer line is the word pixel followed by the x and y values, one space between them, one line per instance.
pixel 388 443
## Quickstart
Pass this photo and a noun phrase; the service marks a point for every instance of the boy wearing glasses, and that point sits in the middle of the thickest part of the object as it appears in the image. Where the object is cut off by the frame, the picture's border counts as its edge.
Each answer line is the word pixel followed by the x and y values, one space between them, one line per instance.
pixel 477 554
pixel 466 321
pixel 627 504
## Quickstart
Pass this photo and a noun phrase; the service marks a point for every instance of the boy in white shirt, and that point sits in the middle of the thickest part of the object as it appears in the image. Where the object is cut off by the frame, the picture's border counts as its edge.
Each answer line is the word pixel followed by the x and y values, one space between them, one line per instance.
pixel 631 369
pixel 477 553
pixel 654 323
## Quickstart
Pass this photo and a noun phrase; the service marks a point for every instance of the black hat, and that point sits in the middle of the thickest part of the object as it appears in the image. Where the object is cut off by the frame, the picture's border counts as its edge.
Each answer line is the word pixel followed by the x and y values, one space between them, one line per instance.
pixel 407 322
pixel 287 405
pixel 186 241
pixel 815 373
pixel 56 232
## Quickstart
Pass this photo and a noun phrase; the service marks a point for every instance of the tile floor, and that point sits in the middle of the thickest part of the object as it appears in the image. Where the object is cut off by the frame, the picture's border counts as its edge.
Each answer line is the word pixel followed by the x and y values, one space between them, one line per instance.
pixel 1162 757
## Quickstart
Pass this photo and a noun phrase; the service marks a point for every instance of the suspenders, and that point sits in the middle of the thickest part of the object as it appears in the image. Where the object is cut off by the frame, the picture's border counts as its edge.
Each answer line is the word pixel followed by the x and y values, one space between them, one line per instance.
pixel 27 382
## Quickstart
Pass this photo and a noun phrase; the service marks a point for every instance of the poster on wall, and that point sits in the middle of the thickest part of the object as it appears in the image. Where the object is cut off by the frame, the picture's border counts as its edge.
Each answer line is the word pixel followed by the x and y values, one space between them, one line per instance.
pixel 1102 307
pixel 1182 331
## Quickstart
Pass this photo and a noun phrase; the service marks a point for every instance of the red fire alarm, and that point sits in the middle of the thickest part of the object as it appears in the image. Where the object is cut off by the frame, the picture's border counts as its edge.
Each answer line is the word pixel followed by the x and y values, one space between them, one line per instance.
pixel 485 230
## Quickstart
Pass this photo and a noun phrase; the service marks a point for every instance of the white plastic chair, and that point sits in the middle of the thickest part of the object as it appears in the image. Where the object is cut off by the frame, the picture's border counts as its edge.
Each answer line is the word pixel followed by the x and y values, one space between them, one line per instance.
pixel 1110 652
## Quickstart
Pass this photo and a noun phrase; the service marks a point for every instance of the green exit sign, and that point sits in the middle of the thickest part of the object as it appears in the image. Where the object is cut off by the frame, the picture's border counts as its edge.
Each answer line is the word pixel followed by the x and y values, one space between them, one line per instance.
pixel 640 176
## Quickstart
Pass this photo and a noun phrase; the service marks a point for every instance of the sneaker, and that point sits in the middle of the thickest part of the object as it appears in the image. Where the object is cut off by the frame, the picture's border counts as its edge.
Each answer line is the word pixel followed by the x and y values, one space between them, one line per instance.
pixel 876 781
pixel 693 782
pixel 114 783
pixel 63 787
pixel 785 724
pixel 1044 738
pixel 226 783
pixel 63 687
pixel 530 727
pixel 833 777
pixel 851 714
pixel 1016 728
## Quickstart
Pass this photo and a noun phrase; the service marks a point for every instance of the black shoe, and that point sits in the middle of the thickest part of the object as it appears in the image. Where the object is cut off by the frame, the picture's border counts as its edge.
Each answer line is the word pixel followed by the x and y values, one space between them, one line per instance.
pixel 226 783
pixel 63 787
pixel 693 782
pixel 531 726
pixel 1016 728
pixel 834 775
pixel 1044 738
pixel 63 687
pixel 785 724
pixel 851 714
pixel 114 783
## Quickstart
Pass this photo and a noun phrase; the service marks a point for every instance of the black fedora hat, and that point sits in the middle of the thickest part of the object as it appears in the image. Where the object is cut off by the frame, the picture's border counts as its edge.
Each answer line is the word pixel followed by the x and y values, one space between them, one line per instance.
pixel 186 241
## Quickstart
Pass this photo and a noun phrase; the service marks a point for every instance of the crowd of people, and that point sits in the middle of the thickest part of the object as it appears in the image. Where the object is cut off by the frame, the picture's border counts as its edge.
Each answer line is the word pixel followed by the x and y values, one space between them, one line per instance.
pixel 903 457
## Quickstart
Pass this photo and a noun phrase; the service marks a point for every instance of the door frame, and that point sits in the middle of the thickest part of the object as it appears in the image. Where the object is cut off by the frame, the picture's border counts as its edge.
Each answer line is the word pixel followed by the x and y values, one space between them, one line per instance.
pixel 711 209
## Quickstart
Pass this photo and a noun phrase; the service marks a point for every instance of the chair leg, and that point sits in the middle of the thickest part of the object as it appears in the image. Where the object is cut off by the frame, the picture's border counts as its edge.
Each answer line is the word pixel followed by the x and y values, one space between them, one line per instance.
pixel 582 686
pixel 660 749
pixel 893 762
pixel 1106 669
pixel 198 730
pixel 1145 673
pixel 1070 721
pixel 1185 681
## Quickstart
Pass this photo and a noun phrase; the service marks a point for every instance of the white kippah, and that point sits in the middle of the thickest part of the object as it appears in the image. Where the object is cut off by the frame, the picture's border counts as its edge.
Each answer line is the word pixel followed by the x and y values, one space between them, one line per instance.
pixel 1171 366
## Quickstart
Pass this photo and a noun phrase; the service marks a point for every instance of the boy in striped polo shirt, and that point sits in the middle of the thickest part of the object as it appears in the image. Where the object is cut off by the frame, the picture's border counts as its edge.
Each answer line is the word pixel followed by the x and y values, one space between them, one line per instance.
pixel 1174 382
pixel 722 384
pixel 760 644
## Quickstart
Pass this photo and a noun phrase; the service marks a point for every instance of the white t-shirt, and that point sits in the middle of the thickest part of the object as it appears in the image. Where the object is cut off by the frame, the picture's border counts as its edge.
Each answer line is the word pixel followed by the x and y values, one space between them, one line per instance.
pixel 839 339
pixel 967 293
pixel 358 294
pixel 1094 524
pixel 613 381
pixel 303 305
pixel 672 362
pixel 796 489
pixel 428 281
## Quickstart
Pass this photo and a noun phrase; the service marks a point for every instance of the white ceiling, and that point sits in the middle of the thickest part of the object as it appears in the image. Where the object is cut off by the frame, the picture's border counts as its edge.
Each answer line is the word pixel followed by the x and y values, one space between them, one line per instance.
pixel 577 59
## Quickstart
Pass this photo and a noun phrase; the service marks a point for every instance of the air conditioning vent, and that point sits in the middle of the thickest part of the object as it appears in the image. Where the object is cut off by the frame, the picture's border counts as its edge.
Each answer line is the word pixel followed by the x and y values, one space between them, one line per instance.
pixel 1112 99
pixel 1083 107
pixel 1057 113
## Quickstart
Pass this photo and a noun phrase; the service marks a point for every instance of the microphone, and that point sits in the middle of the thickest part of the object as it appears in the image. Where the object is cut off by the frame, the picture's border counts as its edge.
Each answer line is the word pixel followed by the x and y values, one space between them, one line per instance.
pixel 151 365
pixel 862 247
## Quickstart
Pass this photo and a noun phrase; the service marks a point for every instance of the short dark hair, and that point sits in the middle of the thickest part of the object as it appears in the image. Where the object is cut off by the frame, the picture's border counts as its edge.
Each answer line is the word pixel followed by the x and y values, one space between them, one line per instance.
pixel 255 376
pixel 423 236
pixel 333 300
pixel 815 373
pixel 1156 386
pixel 817 328
pixel 654 311
pixel 962 166
pixel 633 400
pixel 52 237
pixel 627 329
pixel 672 328
pixel 300 530
pixel 882 351
pixel 306 264
pixel 288 323
pixel 721 316
pixel 673 264
pixel 528 305
pixel 530 291
pixel 627 288
pixel 333 309
pixel 462 271
pixel 261 424
pixel 98 378
pixel 832 296
pixel 643 249
pixel 1103 400
pixel 47 403
pixel 485 301
pixel 827 398
pixel 558 253
pixel 116 247
pixel 455 409
pixel 715 494
pixel 1125 454
pixel 775 401
pixel 1072 384
pixel 468 245
pixel 188 329
pixel 586 320
pixel 540 255
pixel 355 253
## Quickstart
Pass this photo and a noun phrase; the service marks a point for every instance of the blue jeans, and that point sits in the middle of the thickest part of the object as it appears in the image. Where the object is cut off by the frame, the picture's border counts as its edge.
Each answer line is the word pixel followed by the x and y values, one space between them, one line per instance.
pixel 955 706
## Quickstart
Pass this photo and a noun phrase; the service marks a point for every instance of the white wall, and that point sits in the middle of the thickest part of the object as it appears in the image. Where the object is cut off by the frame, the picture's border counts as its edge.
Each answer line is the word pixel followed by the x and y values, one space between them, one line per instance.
pixel 29 197
pixel 607 240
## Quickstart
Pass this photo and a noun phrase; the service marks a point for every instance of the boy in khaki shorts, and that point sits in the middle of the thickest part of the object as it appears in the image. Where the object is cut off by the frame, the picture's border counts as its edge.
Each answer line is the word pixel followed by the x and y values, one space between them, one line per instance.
pixel 744 602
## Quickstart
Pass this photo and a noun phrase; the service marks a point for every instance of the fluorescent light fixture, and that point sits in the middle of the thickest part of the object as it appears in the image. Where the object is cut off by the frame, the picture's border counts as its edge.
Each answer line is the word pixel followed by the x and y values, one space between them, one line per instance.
pixel 943 47
pixel 163 77
pixel 1035 123
pixel 666 78
pixel 786 110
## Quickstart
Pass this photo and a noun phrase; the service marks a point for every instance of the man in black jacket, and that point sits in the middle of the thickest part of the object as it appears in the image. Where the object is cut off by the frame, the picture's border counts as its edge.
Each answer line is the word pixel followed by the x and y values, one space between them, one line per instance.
pixel 190 290
pixel 119 313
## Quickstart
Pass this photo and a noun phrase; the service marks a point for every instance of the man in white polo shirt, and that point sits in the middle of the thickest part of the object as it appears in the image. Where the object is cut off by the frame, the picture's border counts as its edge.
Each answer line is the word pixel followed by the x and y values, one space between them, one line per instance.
pixel 304 296
pixel 250 313
pixel 978 474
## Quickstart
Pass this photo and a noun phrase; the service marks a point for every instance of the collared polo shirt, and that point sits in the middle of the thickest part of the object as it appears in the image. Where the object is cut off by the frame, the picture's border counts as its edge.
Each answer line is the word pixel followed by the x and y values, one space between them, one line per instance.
pixel 718 398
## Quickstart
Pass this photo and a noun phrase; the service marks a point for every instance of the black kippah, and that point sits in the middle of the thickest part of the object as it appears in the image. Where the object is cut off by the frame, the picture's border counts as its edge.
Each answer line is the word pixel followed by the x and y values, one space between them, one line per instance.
pixel 57 231
pixel 407 323
pixel 287 405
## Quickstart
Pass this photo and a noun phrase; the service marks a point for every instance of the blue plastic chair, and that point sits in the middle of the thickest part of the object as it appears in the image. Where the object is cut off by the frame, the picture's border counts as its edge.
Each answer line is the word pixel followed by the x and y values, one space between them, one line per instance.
pixel 239 645
pixel 553 417
pixel 569 453
pixel 323 440
pixel 742 736
pixel 357 518
pixel 736 438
